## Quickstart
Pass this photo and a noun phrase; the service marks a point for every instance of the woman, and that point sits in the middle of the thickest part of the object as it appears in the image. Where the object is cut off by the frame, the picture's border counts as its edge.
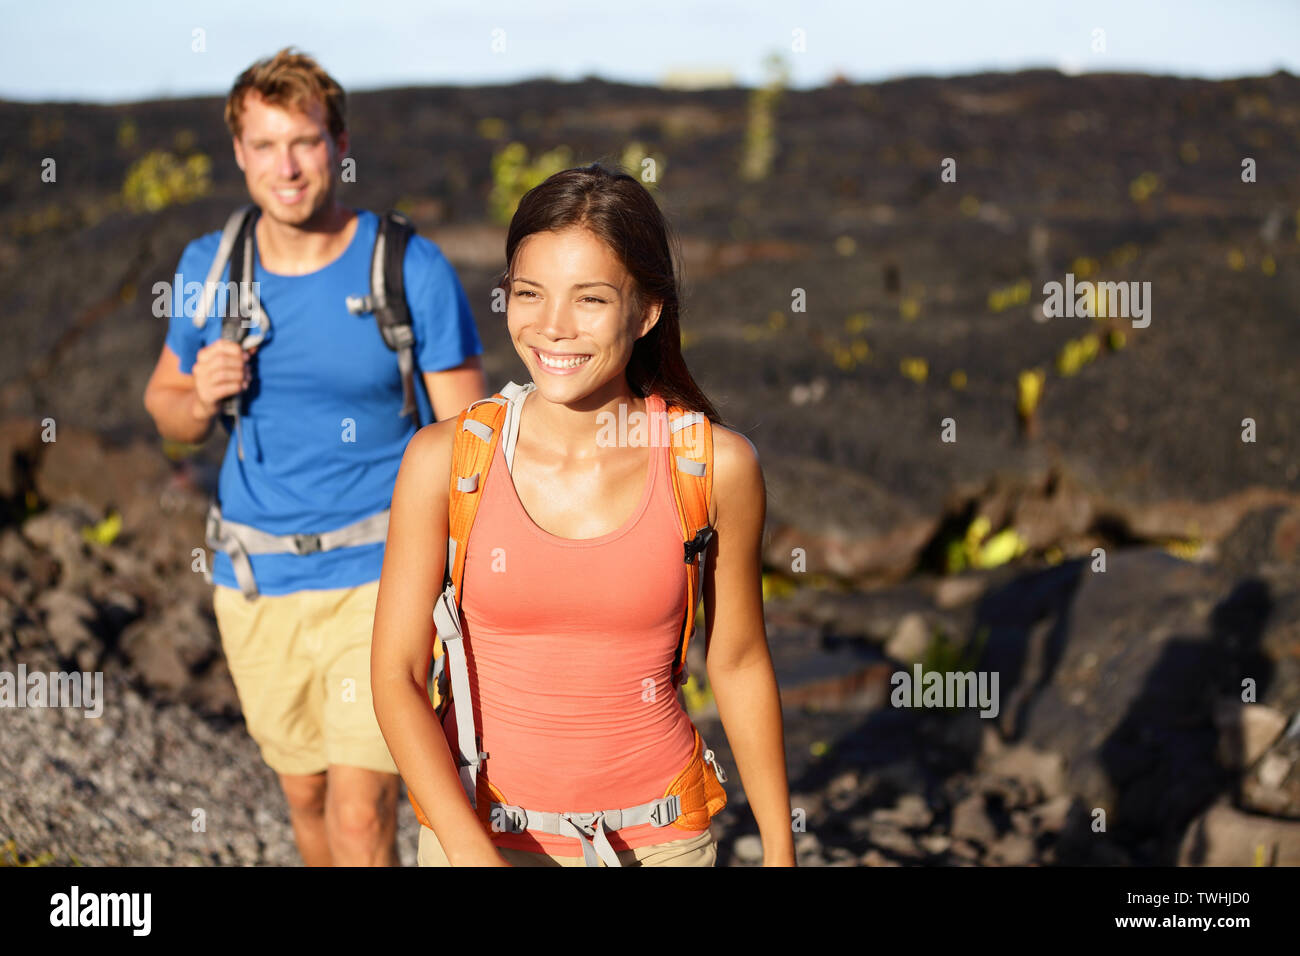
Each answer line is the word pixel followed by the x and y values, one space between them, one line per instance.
pixel 573 589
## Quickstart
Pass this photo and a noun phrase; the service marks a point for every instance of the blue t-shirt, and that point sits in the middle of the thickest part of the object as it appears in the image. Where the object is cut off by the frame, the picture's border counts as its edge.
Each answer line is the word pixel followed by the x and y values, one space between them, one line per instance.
pixel 322 434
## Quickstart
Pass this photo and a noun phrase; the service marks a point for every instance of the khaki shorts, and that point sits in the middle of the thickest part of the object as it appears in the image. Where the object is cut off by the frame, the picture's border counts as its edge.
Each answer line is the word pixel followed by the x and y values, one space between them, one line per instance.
pixel 701 850
pixel 301 666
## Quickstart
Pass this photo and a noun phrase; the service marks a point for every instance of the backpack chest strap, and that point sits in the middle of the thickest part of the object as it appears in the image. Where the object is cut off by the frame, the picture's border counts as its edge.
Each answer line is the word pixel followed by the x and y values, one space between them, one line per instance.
pixel 241 540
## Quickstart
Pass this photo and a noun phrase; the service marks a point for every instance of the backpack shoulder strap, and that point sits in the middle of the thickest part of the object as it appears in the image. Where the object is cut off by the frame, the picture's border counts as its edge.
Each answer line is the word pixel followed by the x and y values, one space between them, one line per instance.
pixel 238 248
pixel 478 430
pixel 236 322
pixel 692 440
pixel 387 300
pixel 230 235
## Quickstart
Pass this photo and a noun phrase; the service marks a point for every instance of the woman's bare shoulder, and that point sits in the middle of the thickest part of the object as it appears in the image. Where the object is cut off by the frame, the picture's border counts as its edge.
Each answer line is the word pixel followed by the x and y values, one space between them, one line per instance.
pixel 737 475
pixel 428 453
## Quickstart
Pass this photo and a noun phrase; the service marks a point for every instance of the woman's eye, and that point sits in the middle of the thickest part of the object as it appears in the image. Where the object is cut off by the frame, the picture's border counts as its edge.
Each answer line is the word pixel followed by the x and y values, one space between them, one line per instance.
pixel 592 298
pixel 523 292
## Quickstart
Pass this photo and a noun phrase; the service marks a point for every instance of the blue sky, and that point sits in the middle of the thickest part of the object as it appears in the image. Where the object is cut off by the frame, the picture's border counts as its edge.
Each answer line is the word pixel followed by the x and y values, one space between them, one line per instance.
pixel 133 49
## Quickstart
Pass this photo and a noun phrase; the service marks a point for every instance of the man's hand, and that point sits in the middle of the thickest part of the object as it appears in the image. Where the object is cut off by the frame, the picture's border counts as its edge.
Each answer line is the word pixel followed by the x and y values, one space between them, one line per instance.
pixel 220 371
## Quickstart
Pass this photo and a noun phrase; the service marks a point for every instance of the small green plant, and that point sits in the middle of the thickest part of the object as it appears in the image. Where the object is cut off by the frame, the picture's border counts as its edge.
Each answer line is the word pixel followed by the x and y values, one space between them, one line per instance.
pixel 492 127
pixel 760 129
pixel 178 451
pixel 1009 296
pixel 699 694
pixel 642 165
pixel 917 369
pixel 160 179
pixel 106 531
pixel 513 175
pixel 978 549
pixel 128 134
pixel 946 655
pixel 1077 353
pixel 1140 189
pixel 777 586
pixel 11 857
pixel 1029 392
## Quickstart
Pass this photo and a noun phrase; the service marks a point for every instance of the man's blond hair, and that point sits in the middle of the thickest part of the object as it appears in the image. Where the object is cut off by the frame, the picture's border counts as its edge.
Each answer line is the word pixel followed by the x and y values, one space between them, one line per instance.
pixel 288 80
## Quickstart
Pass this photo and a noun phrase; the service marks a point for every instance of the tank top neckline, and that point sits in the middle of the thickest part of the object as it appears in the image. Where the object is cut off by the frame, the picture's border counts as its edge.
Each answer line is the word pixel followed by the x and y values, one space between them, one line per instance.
pixel 653 404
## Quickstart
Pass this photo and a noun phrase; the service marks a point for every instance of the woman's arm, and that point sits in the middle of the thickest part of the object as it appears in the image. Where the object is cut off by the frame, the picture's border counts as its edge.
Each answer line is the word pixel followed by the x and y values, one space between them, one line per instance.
pixel 737 658
pixel 414 560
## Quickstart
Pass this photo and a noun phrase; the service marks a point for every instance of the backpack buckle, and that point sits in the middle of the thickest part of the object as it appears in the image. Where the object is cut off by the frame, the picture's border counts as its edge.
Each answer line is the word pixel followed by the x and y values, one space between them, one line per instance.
pixel 586 822
pixel 665 811
pixel 718 772
pixel 513 818
pixel 697 544
pixel 212 528
pixel 306 543
pixel 360 304
pixel 398 337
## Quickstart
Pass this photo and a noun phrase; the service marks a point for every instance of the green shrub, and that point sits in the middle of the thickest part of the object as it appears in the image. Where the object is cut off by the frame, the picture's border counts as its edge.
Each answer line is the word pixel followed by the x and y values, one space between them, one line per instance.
pixel 9 856
pixel 760 129
pixel 160 179
pixel 513 175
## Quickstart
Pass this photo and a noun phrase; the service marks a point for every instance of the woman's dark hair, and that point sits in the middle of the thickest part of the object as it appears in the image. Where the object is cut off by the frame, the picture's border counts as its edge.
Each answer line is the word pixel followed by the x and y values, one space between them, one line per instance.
pixel 621 212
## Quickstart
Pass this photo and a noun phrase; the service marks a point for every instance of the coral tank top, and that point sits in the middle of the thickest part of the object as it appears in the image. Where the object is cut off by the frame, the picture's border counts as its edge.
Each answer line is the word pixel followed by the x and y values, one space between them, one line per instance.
pixel 570 644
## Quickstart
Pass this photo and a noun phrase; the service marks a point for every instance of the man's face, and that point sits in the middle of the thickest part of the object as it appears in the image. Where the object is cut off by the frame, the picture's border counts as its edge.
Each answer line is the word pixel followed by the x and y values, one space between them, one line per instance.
pixel 289 160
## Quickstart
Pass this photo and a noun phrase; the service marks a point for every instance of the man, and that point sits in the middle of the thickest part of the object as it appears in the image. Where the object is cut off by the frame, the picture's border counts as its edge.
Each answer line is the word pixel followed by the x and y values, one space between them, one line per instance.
pixel 319 441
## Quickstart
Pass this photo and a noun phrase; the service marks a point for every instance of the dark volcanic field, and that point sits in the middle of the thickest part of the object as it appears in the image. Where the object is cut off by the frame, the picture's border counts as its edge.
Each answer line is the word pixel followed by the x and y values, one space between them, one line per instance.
pixel 1121 689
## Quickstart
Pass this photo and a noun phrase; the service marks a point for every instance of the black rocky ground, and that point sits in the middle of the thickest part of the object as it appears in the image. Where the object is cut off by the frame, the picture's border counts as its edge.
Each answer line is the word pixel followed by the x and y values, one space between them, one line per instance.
pixel 1121 690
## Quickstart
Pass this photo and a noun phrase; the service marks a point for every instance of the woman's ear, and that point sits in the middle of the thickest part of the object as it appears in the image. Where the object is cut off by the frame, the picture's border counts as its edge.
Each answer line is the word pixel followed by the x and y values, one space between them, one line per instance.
pixel 651 318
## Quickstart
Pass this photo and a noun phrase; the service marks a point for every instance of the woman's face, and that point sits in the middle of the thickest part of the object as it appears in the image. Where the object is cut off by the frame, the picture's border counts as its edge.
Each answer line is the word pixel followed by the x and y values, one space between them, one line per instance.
pixel 569 311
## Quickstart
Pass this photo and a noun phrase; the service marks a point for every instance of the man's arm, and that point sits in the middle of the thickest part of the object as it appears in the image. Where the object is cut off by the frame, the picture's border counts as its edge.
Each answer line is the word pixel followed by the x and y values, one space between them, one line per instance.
pixel 454 389
pixel 185 406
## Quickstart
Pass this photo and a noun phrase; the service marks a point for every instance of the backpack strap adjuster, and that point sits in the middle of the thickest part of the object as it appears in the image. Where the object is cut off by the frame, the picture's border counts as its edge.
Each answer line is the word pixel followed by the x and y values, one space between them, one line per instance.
pixel 399 337
pixel 306 543
pixel 665 810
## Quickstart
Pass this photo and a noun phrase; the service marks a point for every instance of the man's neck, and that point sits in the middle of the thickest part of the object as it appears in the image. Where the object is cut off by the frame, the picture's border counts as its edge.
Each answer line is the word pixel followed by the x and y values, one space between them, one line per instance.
pixel 297 250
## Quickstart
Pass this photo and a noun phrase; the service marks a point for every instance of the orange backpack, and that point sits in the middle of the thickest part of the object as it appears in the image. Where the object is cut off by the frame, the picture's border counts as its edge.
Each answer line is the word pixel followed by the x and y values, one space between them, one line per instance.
pixel 695 794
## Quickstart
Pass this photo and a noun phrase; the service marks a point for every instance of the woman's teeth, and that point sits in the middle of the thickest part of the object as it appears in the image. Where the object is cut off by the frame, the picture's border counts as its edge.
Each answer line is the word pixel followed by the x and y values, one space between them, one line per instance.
pixel 565 363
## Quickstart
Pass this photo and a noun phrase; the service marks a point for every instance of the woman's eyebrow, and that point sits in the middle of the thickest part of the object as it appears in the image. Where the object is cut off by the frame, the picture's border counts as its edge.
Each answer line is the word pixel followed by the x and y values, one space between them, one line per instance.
pixel 577 285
